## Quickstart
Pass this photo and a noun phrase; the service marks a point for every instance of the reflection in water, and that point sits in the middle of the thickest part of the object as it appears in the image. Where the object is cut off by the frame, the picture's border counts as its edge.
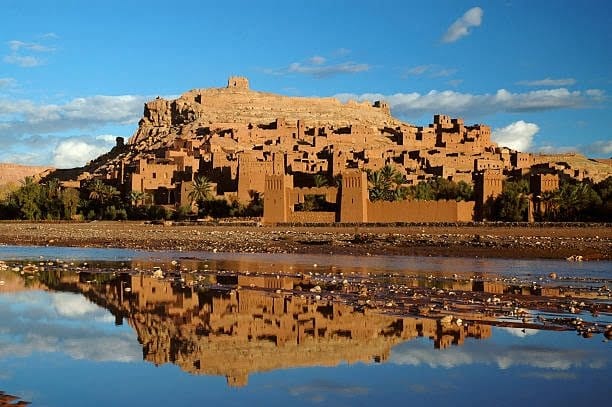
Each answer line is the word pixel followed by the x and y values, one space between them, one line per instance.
pixel 237 332
pixel 216 320
pixel 6 400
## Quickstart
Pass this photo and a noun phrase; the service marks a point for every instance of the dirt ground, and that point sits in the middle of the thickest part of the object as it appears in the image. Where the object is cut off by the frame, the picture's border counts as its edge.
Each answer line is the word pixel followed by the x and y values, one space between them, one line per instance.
pixel 592 242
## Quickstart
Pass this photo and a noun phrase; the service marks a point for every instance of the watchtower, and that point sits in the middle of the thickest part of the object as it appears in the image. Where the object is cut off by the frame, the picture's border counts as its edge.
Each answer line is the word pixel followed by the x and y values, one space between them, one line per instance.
pixel 238 82
pixel 354 197
pixel 488 185
pixel 540 183
pixel 277 192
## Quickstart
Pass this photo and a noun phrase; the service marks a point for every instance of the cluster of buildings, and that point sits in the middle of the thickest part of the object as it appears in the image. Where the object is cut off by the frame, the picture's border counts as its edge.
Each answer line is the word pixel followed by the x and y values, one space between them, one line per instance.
pixel 227 135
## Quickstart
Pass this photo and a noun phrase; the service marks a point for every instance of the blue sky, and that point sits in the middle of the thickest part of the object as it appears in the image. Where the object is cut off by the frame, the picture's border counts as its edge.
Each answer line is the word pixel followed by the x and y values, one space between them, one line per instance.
pixel 75 74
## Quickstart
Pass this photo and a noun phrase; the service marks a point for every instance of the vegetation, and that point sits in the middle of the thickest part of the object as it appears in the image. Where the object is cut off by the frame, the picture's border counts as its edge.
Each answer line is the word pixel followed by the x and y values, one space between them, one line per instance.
pixel 578 201
pixel 512 204
pixel 441 188
pixel 574 201
pixel 386 184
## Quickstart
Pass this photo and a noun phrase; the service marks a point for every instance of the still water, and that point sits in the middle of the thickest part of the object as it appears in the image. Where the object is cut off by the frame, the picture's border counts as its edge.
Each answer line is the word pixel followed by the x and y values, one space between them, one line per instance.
pixel 83 327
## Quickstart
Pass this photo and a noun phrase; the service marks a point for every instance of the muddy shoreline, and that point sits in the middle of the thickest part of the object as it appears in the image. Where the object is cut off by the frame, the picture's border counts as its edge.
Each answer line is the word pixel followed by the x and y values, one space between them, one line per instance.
pixel 487 241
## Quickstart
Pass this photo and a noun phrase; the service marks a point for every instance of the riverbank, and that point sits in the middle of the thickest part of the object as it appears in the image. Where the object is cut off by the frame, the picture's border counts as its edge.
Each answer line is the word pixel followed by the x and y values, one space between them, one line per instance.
pixel 487 241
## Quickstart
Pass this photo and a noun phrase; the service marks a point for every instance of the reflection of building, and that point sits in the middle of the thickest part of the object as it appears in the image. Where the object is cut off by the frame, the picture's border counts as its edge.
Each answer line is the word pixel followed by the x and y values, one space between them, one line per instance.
pixel 235 333
pixel 6 400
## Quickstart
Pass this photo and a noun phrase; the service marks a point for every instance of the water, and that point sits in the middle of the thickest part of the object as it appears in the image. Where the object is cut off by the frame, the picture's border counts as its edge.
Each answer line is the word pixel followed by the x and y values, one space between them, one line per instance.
pixel 74 339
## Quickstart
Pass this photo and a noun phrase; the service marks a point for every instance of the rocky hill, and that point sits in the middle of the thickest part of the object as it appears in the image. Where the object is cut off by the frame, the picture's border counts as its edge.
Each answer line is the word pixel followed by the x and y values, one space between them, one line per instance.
pixel 13 173
pixel 238 104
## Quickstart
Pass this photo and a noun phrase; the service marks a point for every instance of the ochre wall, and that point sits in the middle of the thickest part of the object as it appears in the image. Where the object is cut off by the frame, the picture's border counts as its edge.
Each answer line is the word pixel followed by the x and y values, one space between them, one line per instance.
pixel 355 207
pixel 420 211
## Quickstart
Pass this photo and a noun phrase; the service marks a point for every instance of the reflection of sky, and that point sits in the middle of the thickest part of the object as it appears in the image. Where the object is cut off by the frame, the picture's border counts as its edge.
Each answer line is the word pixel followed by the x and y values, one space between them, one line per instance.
pixel 61 349
pixel 503 351
pixel 43 322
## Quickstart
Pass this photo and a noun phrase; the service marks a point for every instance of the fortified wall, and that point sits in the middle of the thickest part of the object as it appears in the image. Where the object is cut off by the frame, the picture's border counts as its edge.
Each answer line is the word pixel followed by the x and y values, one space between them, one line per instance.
pixel 355 206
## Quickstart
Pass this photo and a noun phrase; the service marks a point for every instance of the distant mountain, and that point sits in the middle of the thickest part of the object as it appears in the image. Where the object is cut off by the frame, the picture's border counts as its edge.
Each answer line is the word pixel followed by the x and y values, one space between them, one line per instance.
pixel 13 173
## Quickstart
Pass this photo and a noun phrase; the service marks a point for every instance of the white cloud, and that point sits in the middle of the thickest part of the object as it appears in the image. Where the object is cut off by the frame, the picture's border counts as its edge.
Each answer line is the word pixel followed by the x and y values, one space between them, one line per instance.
pixel 461 27
pixel 18 117
pixel 76 152
pixel 433 71
pixel 599 149
pixel 16 45
pixel 549 82
pixel 457 103
pixel 596 94
pixel 73 305
pixel 517 136
pixel 319 67
pixel 46 322
pixel 341 52
pixel 24 61
pixel 322 71
pixel 520 333
pixel 51 35
pixel 6 82
pixel 317 60
pixel 596 149
pixel 504 357
pixel 418 70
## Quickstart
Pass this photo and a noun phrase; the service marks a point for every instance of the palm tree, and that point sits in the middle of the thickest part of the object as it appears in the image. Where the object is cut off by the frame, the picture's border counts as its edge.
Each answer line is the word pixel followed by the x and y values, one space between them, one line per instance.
pixel 53 188
pixel 320 180
pixel 28 199
pixel 109 193
pixel 135 197
pixel 200 191
pixel 550 201
pixel 386 184
pixel 96 190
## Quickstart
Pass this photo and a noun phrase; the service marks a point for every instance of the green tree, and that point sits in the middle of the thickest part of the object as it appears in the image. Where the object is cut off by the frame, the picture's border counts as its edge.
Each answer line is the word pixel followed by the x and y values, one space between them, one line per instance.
pixel 200 191
pixel 320 180
pixel 101 197
pixel 50 199
pixel 28 198
pixel 423 191
pixel 578 201
pixel 70 202
pixel 137 198
pixel 386 184
pixel 512 204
